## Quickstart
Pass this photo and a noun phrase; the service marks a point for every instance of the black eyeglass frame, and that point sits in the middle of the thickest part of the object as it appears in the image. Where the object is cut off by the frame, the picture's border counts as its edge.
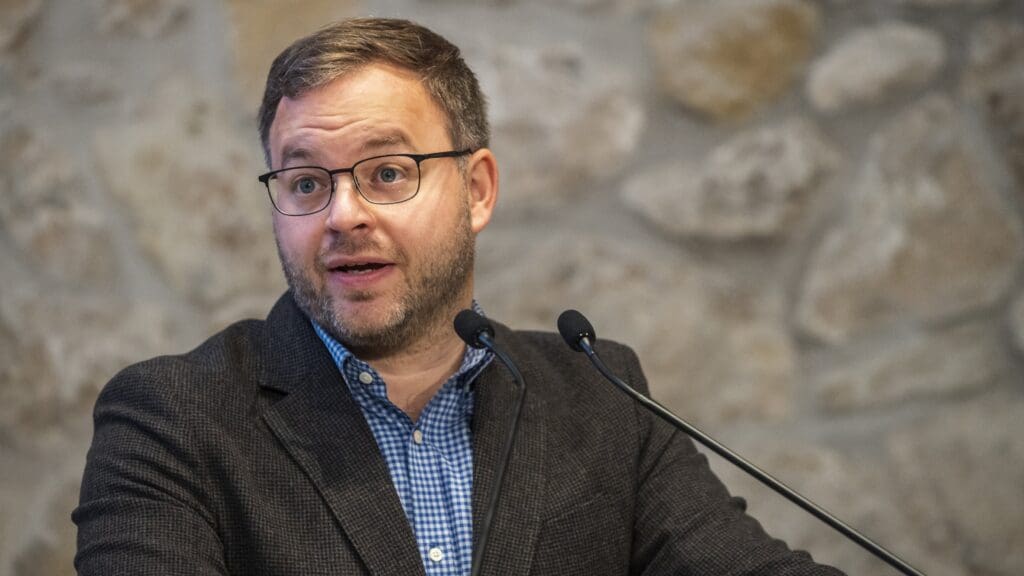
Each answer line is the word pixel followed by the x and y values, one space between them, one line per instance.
pixel 418 158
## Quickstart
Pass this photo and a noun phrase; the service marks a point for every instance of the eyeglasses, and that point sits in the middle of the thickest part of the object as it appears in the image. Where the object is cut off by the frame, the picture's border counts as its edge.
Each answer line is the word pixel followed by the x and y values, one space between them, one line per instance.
pixel 389 179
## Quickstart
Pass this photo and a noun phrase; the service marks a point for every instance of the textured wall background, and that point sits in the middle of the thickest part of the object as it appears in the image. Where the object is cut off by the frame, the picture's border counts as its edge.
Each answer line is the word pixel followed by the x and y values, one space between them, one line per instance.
pixel 805 216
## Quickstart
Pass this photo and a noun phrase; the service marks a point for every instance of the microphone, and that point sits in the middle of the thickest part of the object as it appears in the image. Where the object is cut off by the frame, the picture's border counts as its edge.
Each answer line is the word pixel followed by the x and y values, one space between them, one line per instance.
pixel 474 329
pixel 477 332
pixel 579 334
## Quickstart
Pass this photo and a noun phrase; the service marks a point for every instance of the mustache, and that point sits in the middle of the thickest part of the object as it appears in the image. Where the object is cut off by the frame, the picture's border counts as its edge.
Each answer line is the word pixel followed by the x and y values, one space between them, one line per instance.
pixel 348 246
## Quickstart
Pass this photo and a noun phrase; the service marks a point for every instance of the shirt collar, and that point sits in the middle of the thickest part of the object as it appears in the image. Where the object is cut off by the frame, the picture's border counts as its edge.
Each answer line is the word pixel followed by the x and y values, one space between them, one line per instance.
pixel 473 360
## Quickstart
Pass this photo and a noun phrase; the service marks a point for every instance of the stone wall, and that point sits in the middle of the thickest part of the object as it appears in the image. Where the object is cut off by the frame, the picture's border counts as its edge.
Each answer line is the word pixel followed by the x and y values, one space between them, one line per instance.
pixel 804 215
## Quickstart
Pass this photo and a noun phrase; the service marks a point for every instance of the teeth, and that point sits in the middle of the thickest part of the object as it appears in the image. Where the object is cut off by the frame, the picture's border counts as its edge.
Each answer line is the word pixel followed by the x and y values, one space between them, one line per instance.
pixel 358 268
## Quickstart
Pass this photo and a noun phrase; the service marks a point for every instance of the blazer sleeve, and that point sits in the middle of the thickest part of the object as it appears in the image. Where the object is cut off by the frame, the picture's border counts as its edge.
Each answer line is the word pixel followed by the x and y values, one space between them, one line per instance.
pixel 142 508
pixel 686 522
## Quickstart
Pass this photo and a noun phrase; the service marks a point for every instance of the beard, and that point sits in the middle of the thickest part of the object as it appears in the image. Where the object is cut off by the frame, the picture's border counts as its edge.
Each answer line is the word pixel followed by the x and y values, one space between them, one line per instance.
pixel 424 302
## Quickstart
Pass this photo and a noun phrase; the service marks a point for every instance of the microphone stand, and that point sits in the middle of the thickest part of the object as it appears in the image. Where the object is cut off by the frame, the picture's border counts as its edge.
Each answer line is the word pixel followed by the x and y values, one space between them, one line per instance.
pixel 477 332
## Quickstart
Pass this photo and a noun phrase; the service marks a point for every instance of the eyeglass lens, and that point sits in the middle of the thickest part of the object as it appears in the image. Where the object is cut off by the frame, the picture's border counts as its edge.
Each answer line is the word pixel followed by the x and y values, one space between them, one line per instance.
pixel 384 180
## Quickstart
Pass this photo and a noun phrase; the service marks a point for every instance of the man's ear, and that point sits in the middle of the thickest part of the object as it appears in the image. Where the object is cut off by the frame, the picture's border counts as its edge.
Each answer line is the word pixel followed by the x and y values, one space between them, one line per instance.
pixel 482 184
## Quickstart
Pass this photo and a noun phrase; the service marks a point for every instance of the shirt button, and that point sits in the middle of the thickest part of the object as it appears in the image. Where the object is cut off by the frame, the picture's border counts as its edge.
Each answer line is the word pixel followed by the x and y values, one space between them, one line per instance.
pixel 436 554
pixel 417 437
pixel 366 378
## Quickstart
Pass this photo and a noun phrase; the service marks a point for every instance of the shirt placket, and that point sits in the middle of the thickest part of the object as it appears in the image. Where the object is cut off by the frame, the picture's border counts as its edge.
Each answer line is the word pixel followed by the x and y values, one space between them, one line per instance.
pixel 439 504
pixel 431 475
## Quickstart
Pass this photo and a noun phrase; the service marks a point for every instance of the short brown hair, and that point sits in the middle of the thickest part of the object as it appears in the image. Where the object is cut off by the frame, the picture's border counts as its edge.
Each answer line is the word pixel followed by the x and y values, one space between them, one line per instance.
pixel 348 45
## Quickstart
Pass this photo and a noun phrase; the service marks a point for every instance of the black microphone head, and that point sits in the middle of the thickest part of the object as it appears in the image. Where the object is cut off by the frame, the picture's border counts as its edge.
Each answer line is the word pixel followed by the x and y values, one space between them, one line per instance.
pixel 573 327
pixel 469 326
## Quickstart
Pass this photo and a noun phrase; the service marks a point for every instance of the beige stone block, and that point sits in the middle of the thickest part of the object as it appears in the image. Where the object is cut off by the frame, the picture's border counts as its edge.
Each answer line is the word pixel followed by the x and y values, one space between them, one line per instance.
pixel 853 488
pixel 1017 321
pixel 869 64
pixel 959 475
pixel 724 59
pixel 261 29
pixel 923 365
pixel 755 185
pixel 16 17
pixel 54 224
pixel 925 233
pixel 709 350
pixel 83 83
pixel 57 352
pixel 28 383
pixel 560 120
pixel 52 552
pixel 142 18
pixel 186 177
pixel 951 3
pixel 994 79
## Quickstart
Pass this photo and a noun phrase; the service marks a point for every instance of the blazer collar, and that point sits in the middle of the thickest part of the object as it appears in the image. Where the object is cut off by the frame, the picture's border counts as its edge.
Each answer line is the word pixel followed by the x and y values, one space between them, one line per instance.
pixel 517 520
pixel 322 428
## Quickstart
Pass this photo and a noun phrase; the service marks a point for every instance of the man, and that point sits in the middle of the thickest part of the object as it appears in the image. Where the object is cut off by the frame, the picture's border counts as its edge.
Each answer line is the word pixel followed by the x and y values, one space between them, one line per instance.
pixel 352 432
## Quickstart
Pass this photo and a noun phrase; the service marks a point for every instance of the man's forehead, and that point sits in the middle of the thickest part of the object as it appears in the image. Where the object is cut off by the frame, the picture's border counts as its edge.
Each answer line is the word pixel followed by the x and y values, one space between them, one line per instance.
pixel 387 139
pixel 368 110
pixel 375 81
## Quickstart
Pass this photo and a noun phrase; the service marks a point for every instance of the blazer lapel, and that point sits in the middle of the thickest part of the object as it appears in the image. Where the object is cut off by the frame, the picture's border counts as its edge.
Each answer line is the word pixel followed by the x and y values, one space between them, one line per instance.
pixel 516 523
pixel 323 429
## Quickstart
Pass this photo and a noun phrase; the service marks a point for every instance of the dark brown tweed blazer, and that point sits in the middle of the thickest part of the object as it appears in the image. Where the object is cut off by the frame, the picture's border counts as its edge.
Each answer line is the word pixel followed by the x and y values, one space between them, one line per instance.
pixel 247 456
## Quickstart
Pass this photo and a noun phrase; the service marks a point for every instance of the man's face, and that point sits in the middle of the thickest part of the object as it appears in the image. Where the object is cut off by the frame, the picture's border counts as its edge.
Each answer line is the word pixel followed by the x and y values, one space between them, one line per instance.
pixel 378 277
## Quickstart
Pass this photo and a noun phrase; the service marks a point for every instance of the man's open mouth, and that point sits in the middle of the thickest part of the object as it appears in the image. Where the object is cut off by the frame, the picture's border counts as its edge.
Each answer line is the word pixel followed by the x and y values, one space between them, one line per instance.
pixel 362 268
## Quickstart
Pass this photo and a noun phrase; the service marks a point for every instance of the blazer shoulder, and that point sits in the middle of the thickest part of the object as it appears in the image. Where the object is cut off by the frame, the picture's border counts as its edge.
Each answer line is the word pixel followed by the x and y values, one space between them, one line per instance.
pixel 551 349
pixel 225 359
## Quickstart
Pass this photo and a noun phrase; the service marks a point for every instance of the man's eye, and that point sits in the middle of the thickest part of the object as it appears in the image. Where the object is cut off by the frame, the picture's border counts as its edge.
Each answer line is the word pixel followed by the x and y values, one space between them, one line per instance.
pixel 389 174
pixel 306 185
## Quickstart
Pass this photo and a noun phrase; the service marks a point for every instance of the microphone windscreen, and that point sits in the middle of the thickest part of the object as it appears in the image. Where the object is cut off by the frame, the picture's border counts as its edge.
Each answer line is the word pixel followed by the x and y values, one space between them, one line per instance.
pixel 469 325
pixel 574 326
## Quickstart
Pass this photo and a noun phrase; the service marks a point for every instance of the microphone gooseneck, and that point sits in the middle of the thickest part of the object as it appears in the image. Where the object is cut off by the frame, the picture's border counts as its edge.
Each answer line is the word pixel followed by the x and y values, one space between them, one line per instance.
pixel 579 335
pixel 477 332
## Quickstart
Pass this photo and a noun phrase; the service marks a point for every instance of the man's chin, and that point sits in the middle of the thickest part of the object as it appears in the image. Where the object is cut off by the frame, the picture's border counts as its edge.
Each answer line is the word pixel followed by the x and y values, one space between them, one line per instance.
pixel 368 325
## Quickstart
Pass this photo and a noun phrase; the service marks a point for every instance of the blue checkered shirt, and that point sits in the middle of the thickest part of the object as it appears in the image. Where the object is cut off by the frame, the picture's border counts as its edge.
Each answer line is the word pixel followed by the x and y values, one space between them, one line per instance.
pixel 430 460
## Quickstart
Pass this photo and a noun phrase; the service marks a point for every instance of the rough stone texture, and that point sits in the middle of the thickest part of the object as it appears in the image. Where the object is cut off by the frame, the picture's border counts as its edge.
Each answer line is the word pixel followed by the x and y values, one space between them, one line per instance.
pixel 16 17
pixel 722 357
pixel 558 120
pixel 22 361
pixel 959 474
pixel 83 83
pixel 752 186
pixel 135 227
pixel 946 3
pixel 854 489
pixel 926 233
pixel 6 104
pixel 870 63
pixel 1017 321
pixel 995 77
pixel 262 28
pixel 994 46
pixel 962 360
pixel 724 59
pixel 51 344
pixel 46 213
pixel 190 190
pixel 143 18
pixel 52 552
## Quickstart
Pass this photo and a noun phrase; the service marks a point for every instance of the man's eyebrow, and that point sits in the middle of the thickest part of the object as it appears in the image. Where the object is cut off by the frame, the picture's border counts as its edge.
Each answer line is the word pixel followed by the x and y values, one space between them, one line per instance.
pixel 292 152
pixel 384 141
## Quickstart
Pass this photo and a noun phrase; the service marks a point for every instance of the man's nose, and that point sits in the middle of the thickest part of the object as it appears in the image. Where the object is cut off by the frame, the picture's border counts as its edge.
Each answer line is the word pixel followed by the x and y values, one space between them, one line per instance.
pixel 348 210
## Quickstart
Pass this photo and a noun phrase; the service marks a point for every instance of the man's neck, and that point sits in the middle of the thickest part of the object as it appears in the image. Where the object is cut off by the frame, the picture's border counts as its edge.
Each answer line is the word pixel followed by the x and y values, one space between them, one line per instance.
pixel 415 372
